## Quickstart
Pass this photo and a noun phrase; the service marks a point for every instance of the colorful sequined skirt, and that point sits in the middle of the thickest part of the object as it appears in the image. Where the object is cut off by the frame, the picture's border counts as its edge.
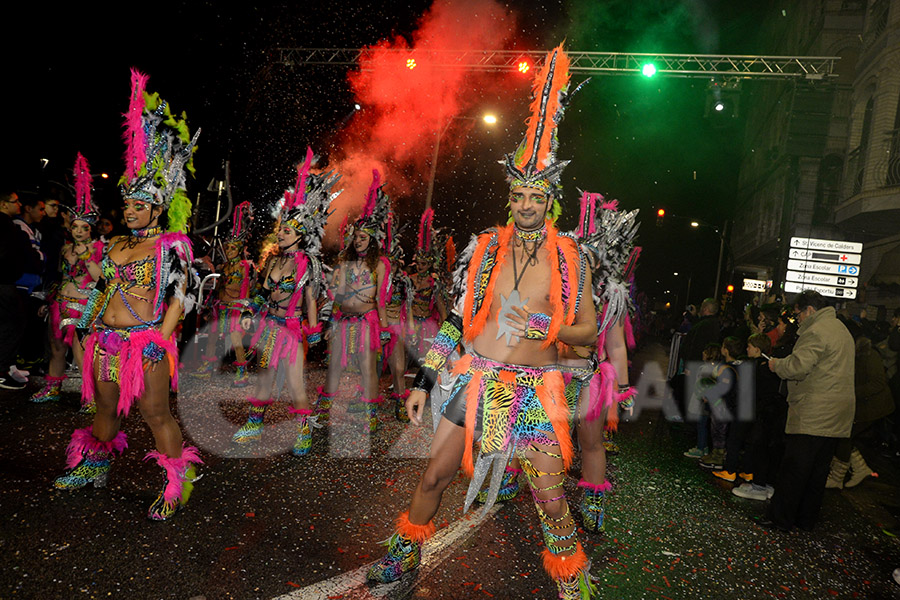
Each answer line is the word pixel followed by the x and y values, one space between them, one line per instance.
pixel 116 355
pixel 359 333
pixel 509 405
pixel 227 316
pixel 278 339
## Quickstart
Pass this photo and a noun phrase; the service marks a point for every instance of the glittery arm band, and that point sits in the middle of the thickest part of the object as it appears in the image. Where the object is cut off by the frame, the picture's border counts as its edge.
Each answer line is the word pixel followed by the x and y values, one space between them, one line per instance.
pixel 445 343
pixel 538 326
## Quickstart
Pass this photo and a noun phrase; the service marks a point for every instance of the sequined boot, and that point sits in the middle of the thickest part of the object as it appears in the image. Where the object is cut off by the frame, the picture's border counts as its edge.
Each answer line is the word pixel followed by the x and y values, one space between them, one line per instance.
pixel 88 407
pixel 571 574
pixel 207 368
pixel 323 404
pixel 371 408
pixel 51 390
pixel 592 510
pixel 509 487
pixel 241 376
pixel 179 476
pixel 87 459
pixel 404 551
pixel 304 435
pixel 251 431
pixel 400 406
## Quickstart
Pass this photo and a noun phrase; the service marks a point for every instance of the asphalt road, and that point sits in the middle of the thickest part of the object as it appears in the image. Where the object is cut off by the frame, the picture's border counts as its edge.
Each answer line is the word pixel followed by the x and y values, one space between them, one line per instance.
pixel 264 524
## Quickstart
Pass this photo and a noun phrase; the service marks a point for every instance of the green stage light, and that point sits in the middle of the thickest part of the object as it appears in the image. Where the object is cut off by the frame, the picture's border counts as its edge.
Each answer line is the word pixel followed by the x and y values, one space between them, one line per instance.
pixel 648 70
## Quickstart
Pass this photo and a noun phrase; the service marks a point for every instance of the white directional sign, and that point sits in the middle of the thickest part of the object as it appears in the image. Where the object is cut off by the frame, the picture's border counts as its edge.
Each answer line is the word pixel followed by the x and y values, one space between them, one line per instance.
pixel 830 267
pixel 817 267
pixel 793 287
pixel 845 258
pixel 833 245
pixel 754 285
pixel 822 279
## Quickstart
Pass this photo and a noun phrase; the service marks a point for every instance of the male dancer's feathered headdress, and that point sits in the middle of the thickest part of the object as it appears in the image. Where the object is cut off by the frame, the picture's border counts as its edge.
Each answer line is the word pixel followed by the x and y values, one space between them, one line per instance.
pixel 534 163
pixel 375 211
pixel 158 151
pixel 305 207
pixel 84 208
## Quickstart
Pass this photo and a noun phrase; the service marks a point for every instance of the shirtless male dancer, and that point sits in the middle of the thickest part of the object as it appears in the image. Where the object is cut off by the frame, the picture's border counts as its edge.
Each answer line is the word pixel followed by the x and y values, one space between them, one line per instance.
pixel 519 293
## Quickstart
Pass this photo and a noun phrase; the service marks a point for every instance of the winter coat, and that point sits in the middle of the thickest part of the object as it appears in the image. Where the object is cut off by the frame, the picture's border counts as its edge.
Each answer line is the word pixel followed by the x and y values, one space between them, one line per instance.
pixel 821 398
pixel 873 397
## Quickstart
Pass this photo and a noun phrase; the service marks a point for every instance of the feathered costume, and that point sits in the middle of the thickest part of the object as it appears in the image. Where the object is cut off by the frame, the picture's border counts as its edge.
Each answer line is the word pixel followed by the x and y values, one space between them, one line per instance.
pixel 516 409
pixel 284 328
pixel 224 310
pixel 607 236
pixel 360 333
pixel 305 210
pixel 159 149
pixel 65 309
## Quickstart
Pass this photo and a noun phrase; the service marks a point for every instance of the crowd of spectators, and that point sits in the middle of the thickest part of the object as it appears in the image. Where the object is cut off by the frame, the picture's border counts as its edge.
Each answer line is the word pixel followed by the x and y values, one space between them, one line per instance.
pixel 782 394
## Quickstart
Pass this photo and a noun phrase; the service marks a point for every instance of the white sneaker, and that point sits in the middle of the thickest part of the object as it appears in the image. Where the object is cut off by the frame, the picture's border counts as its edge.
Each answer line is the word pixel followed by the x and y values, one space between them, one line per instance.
pixel 750 491
pixel 18 374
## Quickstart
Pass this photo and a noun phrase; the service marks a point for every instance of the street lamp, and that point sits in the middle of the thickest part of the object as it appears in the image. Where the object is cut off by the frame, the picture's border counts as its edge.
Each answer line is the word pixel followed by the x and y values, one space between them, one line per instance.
pixel 488 118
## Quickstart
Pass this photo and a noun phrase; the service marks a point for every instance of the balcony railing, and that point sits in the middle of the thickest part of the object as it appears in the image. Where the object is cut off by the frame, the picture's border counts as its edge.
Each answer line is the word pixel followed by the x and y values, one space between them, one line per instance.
pixel 853 176
pixel 892 177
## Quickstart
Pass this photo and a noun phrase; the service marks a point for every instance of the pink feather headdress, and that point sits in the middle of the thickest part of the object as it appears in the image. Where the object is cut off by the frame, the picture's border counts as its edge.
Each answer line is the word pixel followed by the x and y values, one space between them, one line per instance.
pixel 84 207
pixel 134 136
pixel 425 231
pixel 375 211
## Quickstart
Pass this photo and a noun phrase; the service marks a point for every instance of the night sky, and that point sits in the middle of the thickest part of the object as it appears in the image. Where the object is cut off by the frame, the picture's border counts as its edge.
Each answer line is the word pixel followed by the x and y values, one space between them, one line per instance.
pixel 644 141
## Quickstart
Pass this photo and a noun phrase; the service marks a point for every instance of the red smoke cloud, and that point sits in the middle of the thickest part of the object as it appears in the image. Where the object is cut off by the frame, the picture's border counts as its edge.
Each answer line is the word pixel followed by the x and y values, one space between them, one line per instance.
pixel 403 109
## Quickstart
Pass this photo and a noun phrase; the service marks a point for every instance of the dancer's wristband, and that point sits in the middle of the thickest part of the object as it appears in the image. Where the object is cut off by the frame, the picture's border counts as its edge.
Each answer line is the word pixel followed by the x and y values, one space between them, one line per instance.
pixel 154 352
pixel 538 326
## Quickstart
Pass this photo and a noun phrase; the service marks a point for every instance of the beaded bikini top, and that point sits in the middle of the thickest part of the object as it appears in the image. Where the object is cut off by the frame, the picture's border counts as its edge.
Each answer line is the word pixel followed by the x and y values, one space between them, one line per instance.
pixel 139 273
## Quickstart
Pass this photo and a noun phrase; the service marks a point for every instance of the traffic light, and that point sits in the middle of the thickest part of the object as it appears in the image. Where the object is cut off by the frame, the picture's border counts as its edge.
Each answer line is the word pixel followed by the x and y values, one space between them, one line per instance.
pixel 729 289
pixel 659 216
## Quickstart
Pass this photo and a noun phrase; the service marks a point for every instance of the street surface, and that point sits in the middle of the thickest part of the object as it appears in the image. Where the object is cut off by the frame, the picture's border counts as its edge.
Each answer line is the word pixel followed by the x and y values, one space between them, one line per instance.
pixel 263 524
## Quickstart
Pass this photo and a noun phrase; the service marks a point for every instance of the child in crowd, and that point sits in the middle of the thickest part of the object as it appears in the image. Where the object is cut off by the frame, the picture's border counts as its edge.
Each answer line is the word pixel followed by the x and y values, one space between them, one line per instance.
pixel 722 401
pixel 697 407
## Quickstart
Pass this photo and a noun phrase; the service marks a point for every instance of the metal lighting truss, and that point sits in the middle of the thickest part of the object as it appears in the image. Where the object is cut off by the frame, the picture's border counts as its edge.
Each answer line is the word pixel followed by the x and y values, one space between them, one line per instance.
pixel 606 63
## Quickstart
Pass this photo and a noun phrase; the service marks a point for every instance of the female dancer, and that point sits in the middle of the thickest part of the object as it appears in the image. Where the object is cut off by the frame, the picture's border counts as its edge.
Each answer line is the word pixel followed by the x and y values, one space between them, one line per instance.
pixel 80 268
pixel 428 307
pixel 597 379
pixel 292 281
pixel 238 275
pixel 360 285
pixel 147 285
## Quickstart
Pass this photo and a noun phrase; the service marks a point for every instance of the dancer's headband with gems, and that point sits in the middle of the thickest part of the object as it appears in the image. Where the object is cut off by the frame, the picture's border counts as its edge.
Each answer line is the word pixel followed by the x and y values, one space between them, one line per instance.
pixel 534 164
pixel 375 211
pixel 158 151
pixel 305 207
pixel 84 208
